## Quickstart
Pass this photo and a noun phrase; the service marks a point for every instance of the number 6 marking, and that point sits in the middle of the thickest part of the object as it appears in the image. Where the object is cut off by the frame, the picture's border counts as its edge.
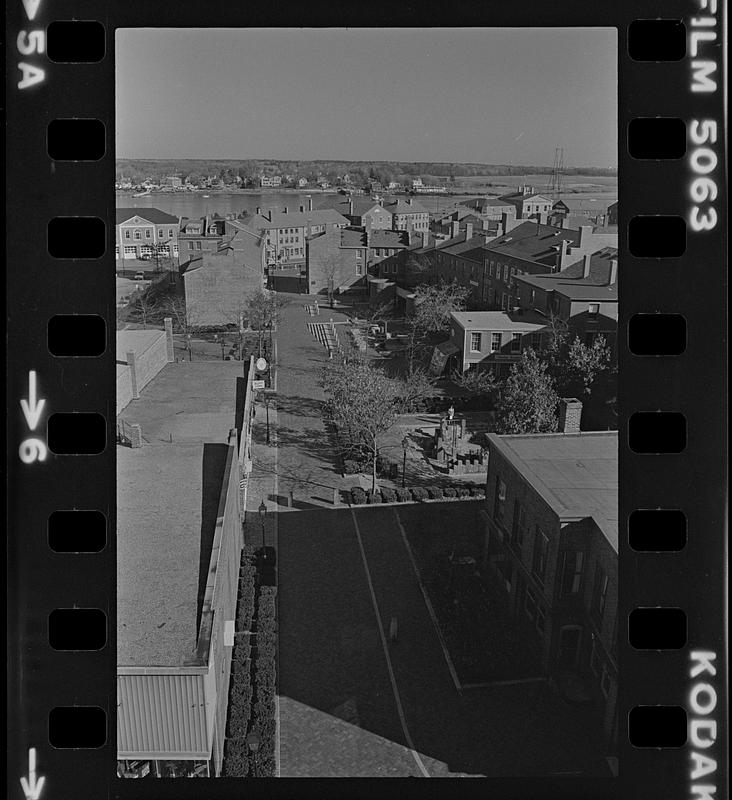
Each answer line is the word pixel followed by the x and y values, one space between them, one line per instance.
pixel 33 450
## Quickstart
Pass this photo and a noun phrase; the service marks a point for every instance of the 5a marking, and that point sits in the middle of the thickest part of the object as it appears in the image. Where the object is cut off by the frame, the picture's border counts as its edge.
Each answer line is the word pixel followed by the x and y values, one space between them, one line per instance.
pixel 32 449
pixel 28 43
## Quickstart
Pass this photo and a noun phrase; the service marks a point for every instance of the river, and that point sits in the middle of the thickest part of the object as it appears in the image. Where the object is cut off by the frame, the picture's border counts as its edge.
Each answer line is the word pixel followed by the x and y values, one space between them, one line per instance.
pixel 196 204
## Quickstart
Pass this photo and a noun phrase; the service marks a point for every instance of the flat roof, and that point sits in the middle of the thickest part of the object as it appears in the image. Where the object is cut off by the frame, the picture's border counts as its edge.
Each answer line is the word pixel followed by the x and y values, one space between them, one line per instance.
pixel 167 499
pixel 499 320
pixel 575 473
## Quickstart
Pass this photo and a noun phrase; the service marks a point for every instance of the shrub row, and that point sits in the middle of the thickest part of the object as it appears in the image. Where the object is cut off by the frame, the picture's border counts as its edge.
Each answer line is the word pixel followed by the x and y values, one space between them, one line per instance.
pixel 236 752
pixel 386 494
pixel 263 718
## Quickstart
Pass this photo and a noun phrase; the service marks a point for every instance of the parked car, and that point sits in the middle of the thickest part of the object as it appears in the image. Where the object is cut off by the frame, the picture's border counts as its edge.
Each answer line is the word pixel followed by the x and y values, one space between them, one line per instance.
pixel 138 276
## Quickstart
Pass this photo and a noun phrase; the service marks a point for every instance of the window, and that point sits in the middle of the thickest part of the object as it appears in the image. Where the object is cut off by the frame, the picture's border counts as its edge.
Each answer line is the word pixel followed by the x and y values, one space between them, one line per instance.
pixel 504 302
pixel 475 342
pixel 160 233
pixel 519 525
pixel 127 234
pixel 130 250
pixel 536 341
pixel 148 233
pixel 532 296
pixel 505 273
pixel 516 343
pixel 495 342
pixel 572 564
pixel 198 245
pixel 500 500
pixel 170 233
pixel 116 251
pixel 599 593
pixel 541 545
pixel 138 235
pixel 589 338
pixel 190 245
pixel 593 308
pixel 359 269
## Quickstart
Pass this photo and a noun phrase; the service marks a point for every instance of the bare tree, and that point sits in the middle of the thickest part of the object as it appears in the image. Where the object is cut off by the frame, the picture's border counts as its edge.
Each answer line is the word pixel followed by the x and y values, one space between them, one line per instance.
pixel 362 401
pixel 416 387
pixel 144 304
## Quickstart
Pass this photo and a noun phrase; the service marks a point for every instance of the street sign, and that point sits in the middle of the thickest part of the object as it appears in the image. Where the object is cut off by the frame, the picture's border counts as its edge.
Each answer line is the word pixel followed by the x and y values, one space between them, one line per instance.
pixel 258 384
pixel 261 364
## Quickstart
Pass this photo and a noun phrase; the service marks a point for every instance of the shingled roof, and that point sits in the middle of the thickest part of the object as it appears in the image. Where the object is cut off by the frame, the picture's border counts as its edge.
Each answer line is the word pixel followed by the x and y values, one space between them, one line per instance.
pixel 152 215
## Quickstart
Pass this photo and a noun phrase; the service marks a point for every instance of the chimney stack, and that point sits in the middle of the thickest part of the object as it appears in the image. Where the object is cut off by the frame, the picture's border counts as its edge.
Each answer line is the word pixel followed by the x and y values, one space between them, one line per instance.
pixel 570 415
pixel 425 239
pixel 350 207
pixel 562 254
pixel 586 265
pixel 613 272
pixel 258 209
pixel 585 232
pixel 135 435
pixel 454 229
pixel 310 203
pixel 284 210
pixel 543 216
pixel 468 230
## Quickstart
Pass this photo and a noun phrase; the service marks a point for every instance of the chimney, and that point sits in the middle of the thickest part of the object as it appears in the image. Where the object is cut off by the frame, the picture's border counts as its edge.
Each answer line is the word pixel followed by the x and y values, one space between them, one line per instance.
pixel 543 216
pixel 613 272
pixel 454 229
pixel 425 239
pixel 169 351
pixel 350 207
pixel 562 254
pixel 586 264
pixel 284 210
pixel 585 232
pixel 468 230
pixel 258 209
pixel 570 415
pixel 310 203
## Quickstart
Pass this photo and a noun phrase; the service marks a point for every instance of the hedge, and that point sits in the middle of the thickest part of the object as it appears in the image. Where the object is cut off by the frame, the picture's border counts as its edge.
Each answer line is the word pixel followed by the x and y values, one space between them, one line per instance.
pixel 450 492
pixel 358 496
pixel 477 491
pixel 373 497
pixel 463 491
pixel 419 493
pixel 236 758
pixel 435 492
pixel 388 495
pixel 351 467
pixel 404 495
pixel 263 718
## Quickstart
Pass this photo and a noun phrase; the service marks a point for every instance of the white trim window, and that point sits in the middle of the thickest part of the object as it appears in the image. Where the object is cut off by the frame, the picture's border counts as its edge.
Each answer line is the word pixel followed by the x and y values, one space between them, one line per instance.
pixel 475 342
pixel 516 343
pixel 496 342
pixel 593 309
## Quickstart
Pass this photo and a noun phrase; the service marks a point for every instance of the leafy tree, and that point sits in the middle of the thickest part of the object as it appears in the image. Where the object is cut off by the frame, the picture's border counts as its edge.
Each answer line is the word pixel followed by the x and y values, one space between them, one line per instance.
pixel 416 387
pixel 574 365
pixel 477 383
pixel 433 306
pixel 361 401
pixel 528 399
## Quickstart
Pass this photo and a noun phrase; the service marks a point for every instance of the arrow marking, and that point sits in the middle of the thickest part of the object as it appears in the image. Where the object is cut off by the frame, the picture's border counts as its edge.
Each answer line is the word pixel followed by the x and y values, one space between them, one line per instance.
pixel 31 788
pixel 32 408
pixel 31 6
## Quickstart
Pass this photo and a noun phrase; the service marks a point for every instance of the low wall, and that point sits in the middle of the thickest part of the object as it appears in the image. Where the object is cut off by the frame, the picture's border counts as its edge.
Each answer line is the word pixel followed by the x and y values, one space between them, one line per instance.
pixel 150 353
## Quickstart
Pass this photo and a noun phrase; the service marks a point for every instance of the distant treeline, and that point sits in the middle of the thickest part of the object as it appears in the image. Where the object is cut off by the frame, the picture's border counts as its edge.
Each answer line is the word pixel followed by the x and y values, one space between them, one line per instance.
pixel 249 170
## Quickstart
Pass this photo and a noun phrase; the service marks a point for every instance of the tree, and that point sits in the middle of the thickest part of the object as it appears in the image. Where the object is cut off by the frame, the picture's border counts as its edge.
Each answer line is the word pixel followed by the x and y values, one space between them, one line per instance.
pixel 528 401
pixel 361 402
pixel 477 382
pixel 186 317
pixel 144 304
pixel 433 306
pixel 161 257
pixel 574 365
pixel 263 310
pixel 412 390
pixel 330 265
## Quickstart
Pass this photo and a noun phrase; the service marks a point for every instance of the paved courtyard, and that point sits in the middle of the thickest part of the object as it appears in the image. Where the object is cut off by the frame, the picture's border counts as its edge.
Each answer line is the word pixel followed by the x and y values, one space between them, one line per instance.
pixel 352 703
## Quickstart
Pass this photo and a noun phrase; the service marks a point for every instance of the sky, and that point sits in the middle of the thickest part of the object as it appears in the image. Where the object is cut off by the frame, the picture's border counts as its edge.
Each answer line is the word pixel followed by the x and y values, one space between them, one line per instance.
pixel 488 95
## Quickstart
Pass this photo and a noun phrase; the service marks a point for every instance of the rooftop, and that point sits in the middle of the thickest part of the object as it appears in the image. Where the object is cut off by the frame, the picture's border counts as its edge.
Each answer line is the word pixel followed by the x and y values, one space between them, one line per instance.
pixel 570 283
pixel 533 241
pixel 383 238
pixel 167 500
pixel 297 219
pixel 576 474
pixel 154 215
pixel 402 206
pixel 499 321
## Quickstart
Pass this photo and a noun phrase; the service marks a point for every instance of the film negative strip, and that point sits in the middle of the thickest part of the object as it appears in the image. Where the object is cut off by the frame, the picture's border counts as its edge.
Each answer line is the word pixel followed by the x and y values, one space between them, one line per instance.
pixel 167 623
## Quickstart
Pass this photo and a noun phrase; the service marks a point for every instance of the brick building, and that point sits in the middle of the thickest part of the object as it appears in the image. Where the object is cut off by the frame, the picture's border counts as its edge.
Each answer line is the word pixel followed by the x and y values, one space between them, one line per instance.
pixel 493 339
pixel 489 207
pixel 216 283
pixel 138 231
pixel 584 295
pixel 200 235
pixel 336 258
pixel 408 215
pixel 551 541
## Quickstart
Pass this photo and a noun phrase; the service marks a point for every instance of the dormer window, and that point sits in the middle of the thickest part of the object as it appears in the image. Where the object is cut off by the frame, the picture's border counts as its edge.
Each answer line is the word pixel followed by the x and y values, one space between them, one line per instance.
pixel 593 308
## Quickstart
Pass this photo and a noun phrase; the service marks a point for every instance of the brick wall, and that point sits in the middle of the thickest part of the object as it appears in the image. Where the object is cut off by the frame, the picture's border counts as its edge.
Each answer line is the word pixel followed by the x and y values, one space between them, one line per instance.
pixel 132 378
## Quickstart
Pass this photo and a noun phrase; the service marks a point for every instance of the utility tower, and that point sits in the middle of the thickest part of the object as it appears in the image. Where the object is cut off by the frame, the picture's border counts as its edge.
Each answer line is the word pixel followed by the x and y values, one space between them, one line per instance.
pixel 555 186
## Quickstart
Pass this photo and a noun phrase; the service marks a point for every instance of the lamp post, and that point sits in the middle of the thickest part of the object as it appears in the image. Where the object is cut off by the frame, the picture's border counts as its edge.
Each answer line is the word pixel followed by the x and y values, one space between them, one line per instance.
pixel 265 397
pixel 405 446
pixel 262 515
pixel 253 742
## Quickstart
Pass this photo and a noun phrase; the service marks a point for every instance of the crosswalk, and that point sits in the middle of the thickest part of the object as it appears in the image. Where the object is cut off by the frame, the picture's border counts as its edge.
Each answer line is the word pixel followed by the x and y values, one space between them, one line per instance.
pixel 325 333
